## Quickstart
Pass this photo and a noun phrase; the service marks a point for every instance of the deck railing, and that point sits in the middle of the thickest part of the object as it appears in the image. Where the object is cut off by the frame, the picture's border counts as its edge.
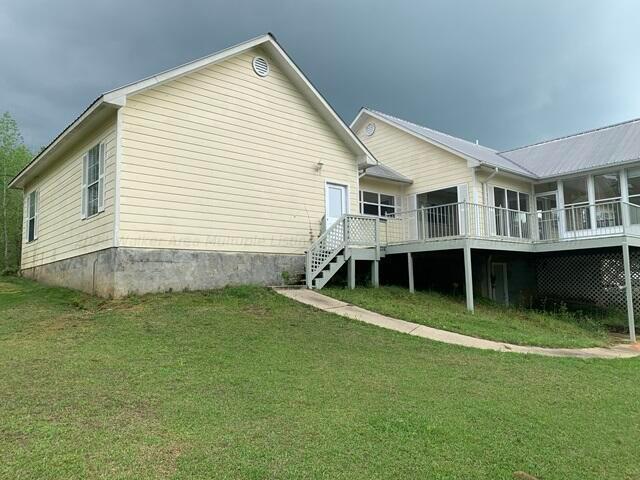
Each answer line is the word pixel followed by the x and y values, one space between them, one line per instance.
pixel 465 219
pixel 347 231
pixel 471 220
pixel 462 219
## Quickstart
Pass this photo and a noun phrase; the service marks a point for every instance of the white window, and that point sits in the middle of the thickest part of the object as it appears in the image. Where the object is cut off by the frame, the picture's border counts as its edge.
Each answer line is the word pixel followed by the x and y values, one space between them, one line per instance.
pixel 93 181
pixel 377 204
pixel 633 182
pixel 608 194
pixel 32 215
pixel 511 212
pixel 576 202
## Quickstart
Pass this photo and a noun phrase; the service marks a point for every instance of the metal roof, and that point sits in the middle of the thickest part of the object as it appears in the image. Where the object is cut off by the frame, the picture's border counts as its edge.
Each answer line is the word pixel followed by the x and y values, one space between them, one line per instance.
pixel 385 173
pixel 589 150
pixel 480 153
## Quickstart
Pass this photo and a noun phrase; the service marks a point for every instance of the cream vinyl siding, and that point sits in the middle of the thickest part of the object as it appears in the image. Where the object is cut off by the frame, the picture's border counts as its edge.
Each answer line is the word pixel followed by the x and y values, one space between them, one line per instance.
pixel 222 159
pixel 502 181
pixel 430 167
pixel 380 186
pixel 61 231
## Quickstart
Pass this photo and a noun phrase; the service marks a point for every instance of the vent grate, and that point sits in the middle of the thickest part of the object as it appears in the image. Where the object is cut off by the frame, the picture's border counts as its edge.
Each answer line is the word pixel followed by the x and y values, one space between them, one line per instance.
pixel 371 128
pixel 260 66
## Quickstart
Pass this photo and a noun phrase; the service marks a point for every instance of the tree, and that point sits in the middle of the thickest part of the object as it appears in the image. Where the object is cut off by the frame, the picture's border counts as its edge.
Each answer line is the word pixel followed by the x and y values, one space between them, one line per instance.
pixel 13 156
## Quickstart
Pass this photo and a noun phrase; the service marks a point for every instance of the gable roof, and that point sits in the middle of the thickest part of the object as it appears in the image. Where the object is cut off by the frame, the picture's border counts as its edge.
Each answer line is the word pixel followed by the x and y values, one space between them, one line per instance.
pixel 599 148
pixel 110 101
pixel 383 172
pixel 468 150
pixel 590 150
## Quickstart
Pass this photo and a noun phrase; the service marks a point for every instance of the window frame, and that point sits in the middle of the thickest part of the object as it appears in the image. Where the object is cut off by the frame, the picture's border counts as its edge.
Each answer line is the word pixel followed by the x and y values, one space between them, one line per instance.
pixel 503 224
pixel 379 205
pixel 518 193
pixel 33 197
pixel 631 173
pixel 99 182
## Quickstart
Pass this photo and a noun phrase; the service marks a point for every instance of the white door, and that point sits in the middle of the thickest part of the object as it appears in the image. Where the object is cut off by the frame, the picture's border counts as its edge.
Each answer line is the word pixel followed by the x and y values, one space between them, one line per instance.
pixel 547 214
pixel 499 283
pixel 336 203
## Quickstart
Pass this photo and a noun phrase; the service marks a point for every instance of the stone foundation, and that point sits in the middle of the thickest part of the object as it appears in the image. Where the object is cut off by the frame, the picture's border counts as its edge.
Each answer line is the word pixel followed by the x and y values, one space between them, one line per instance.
pixel 92 273
pixel 116 272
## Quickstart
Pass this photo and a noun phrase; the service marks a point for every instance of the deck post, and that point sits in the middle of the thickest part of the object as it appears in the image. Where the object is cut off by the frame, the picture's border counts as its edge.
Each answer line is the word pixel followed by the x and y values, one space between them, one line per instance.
pixel 629 290
pixel 410 268
pixel 307 268
pixel 351 273
pixel 468 277
pixel 375 273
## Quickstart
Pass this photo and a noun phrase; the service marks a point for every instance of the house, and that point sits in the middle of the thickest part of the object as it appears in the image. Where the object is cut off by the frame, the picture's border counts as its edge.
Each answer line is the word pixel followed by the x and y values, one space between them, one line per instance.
pixel 212 173
pixel 560 218
pixel 234 169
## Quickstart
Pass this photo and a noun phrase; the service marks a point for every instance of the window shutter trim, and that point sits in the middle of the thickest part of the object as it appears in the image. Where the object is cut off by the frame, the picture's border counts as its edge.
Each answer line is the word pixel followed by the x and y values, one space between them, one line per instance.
pixel 27 209
pixel 36 214
pixel 101 179
pixel 83 206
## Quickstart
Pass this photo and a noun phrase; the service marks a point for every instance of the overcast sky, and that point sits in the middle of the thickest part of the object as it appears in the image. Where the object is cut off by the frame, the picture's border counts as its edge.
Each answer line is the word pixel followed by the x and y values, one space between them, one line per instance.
pixel 506 72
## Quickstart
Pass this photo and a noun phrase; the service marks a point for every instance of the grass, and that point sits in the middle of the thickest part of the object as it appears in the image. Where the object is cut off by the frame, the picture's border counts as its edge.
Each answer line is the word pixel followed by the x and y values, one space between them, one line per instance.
pixel 244 383
pixel 490 321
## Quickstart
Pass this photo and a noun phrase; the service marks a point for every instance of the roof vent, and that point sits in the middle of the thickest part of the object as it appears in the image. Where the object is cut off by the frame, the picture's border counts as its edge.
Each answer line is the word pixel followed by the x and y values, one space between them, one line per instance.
pixel 260 66
pixel 371 127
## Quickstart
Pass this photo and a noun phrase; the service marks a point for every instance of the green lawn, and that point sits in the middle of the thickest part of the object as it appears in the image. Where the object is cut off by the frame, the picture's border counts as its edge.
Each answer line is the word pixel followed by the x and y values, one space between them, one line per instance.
pixel 491 321
pixel 244 383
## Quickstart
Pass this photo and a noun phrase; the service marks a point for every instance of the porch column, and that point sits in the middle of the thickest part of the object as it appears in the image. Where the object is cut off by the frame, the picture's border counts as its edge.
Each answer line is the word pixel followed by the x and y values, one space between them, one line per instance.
pixel 624 199
pixel 468 277
pixel 351 273
pixel 629 290
pixel 410 268
pixel 375 273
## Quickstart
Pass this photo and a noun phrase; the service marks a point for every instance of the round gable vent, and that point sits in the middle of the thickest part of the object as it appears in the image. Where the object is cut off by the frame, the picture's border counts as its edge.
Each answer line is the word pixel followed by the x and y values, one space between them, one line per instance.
pixel 260 66
pixel 371 127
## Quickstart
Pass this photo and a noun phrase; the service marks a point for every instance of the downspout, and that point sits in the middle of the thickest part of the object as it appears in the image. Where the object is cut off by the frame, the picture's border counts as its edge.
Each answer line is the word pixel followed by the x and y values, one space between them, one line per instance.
pixel 485 188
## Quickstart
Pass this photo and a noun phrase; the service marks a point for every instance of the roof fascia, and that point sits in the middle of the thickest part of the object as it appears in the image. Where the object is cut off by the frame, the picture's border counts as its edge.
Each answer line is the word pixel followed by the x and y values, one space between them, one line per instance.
pixel 168 75
pixel 471 161
pixel 590 171
pixel 19 179
pixel 118 98
pixel 359 148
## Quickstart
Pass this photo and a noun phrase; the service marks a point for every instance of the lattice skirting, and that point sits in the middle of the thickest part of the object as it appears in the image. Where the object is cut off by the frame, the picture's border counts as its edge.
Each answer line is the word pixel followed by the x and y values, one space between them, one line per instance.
pixel 593 278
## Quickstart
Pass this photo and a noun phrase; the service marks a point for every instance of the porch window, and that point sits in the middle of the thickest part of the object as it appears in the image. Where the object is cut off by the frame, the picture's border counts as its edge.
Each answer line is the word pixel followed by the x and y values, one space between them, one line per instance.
pixel 545 187
pixel 440 217
pixel 546 210
pixel 512 208
pixel 607 192
pixel 633 184
pixel 377 204
pixel 576 201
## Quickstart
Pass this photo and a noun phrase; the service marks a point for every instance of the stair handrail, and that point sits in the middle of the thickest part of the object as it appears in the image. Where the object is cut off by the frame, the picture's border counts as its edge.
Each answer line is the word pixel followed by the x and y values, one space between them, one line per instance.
pixel 315 246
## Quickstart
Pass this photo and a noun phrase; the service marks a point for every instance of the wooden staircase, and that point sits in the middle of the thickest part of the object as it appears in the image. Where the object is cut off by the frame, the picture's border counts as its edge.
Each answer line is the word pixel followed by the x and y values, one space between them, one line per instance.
pixel 331 269
pixel 338 244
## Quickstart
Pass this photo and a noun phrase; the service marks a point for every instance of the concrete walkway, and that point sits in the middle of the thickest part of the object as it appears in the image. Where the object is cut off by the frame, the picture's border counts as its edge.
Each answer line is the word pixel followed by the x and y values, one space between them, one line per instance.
pixel 332 305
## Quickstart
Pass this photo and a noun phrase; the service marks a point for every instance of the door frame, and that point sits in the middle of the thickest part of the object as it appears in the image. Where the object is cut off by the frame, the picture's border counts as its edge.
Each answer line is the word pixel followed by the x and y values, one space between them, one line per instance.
pixel 507 224
pixel 505 282
pixel 347 198
pixel 419 232
pixel 559 220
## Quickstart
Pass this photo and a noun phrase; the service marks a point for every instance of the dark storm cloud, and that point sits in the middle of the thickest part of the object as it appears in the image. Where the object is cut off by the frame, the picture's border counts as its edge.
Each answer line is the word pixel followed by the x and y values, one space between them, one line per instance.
pixel 506 72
